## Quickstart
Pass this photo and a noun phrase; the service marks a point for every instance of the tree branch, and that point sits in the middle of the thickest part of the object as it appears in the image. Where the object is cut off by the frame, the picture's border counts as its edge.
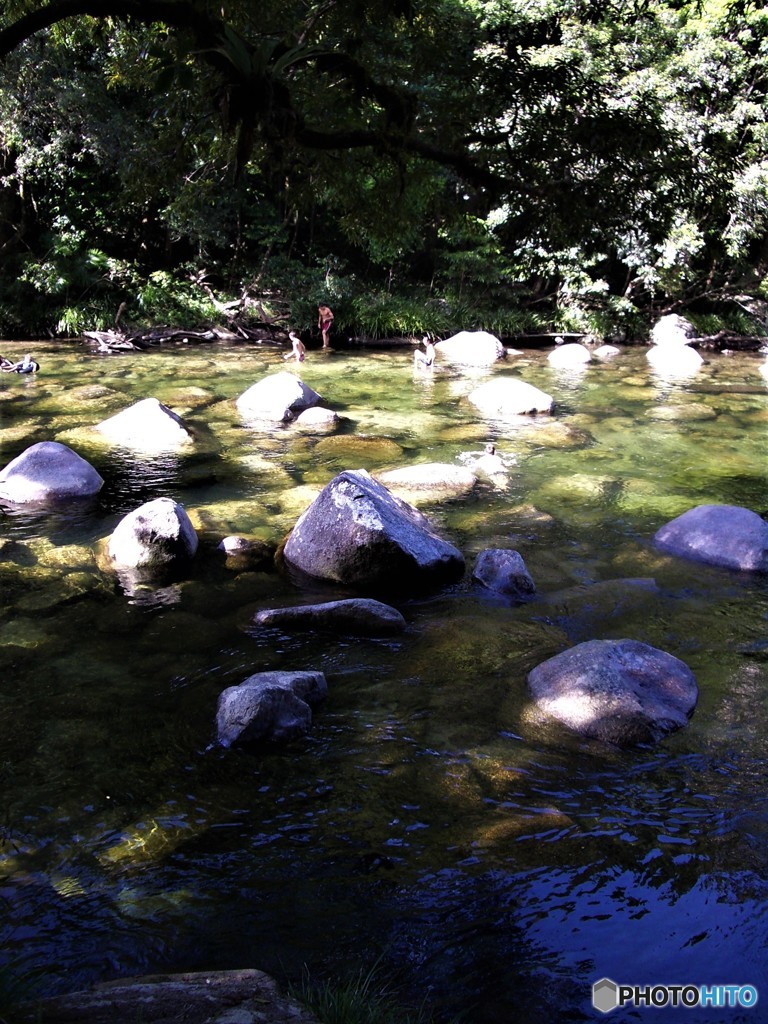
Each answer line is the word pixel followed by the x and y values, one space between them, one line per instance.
pixel 281 119
pixel 180 15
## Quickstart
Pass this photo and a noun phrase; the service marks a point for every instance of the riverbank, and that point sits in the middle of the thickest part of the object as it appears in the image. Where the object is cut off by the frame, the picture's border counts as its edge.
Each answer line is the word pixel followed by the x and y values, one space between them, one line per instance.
pixel 216 997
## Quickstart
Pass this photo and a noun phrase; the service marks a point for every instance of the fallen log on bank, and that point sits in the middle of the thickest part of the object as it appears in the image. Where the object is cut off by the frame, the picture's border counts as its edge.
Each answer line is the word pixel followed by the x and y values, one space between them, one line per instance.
pixel 138 341
pixel 724 341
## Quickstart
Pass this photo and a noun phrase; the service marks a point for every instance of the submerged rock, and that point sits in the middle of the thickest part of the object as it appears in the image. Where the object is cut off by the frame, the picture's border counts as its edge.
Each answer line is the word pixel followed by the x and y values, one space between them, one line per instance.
pixel 503 570
pixel 244 553
pixel 48 471
pixel 357 615
pixel 726 535
pixel 622 692
pixel 582 611
pixel 358 449
pixel 358 533
pixel 268 706
pixel 429 481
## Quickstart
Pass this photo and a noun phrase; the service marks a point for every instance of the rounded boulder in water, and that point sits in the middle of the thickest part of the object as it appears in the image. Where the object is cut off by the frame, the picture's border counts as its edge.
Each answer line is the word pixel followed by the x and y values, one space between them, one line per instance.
pixel 727 535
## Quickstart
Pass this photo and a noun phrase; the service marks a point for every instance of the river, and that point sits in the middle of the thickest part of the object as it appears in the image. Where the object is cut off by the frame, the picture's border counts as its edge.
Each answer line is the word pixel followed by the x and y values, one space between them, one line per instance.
pixel 490 866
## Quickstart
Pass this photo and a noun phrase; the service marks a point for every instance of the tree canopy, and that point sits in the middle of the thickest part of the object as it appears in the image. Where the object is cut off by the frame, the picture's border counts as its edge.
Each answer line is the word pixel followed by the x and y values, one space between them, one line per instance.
pixel 425 164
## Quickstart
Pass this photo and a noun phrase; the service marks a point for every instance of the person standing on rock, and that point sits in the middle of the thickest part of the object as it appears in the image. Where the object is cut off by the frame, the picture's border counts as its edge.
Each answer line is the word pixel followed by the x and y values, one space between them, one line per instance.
pixel 324 321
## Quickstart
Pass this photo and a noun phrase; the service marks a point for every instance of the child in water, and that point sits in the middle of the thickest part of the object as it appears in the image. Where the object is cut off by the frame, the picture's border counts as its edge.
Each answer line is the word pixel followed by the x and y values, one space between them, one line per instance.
pixel 428 356
pixel 298 350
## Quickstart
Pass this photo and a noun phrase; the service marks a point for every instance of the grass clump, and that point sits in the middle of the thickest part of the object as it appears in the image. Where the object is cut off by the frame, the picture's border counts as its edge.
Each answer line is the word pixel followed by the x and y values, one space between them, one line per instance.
pixel 364 998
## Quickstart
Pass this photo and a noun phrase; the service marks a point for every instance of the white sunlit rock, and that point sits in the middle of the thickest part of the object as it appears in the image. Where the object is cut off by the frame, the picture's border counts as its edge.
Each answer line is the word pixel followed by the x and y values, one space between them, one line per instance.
pixel 674 361
pixel 471 348
pixel 570 355
pixel 147 425
pixel 673 329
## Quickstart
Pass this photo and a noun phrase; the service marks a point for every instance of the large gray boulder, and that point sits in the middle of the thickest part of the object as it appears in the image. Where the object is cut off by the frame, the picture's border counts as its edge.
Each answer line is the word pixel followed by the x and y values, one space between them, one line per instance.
pixel 147 425
pixel 278 398
pixel 360 616
pixel 268 706
pixel 358 533
pixel 726 535
pixel 509 396
pixel 504 571
pixel 471 348
pixel 156 536
pixel 48 471
pixel 673 329
pixel 622 692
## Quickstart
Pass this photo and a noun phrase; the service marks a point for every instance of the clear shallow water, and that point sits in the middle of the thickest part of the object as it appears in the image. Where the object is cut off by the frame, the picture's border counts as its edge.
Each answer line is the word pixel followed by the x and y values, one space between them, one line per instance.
pixel 496 867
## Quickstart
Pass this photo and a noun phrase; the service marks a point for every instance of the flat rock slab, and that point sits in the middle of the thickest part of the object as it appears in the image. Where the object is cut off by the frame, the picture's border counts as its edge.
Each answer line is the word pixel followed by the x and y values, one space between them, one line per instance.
pixel 360 616
pixel 352 448
pixel 622 692
pixel 218 997
pixel 726 535
pixel 429 481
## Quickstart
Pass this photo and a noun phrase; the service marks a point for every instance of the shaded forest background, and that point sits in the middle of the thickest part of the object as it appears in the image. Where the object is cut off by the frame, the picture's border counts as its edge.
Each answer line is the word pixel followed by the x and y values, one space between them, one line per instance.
pixel 520 166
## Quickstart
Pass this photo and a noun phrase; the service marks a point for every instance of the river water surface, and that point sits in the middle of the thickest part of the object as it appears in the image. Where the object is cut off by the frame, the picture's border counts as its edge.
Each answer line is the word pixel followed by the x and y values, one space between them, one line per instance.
pixel 491 866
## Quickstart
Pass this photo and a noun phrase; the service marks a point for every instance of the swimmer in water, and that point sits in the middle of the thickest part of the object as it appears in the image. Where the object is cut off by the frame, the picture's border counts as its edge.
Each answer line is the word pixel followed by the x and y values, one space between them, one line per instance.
pixel 25 365
pixel 428 356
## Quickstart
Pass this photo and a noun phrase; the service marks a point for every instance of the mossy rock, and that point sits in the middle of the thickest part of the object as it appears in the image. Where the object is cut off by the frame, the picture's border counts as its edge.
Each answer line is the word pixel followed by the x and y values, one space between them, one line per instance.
pixel 358 452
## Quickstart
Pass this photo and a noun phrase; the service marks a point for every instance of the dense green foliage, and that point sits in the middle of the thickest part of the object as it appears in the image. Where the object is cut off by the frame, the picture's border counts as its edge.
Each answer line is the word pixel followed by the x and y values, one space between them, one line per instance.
pixel 419 164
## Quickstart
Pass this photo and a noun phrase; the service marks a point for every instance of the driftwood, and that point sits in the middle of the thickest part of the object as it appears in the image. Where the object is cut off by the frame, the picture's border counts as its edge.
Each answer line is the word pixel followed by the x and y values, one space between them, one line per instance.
pixel 725 340
pixel 138 341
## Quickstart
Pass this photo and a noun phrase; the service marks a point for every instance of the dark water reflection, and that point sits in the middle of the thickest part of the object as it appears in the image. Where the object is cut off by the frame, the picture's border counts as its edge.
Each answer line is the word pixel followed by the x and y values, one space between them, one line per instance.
pixel 498 868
